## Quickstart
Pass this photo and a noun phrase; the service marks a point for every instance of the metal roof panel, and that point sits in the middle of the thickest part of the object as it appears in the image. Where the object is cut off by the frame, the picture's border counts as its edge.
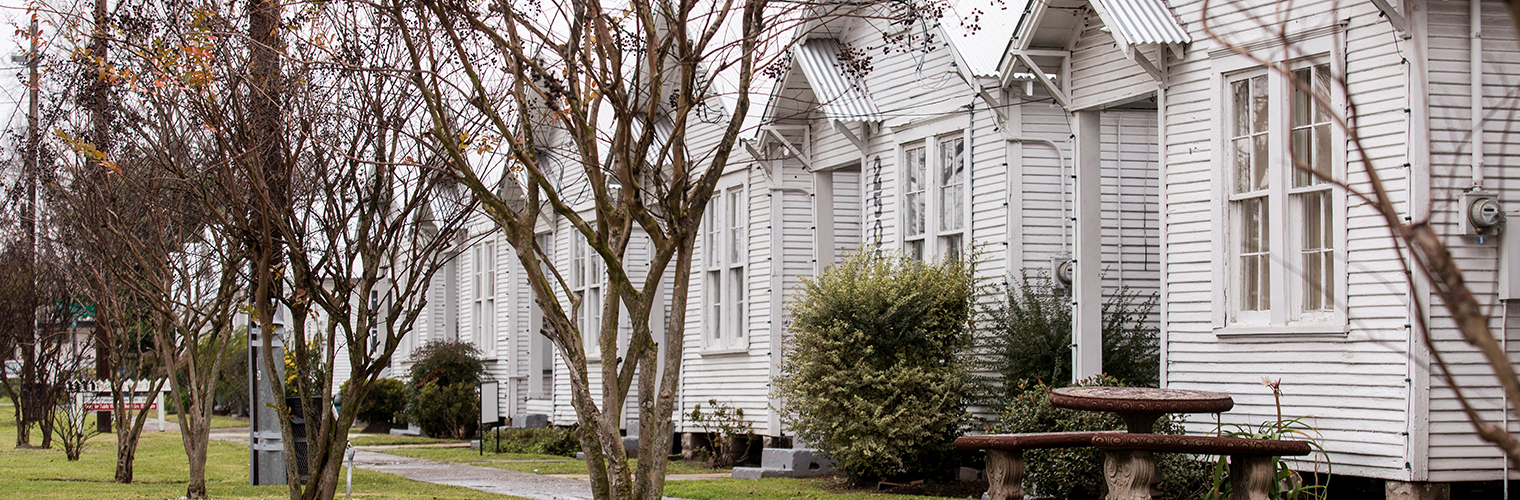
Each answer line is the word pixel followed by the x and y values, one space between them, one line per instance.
pixel 841 97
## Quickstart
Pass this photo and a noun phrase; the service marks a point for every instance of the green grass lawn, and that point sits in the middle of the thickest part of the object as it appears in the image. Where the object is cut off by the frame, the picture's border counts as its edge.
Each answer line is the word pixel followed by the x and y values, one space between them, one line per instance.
pixel 161 473
pixel 775 489
pixel 387 440
pixel 542 464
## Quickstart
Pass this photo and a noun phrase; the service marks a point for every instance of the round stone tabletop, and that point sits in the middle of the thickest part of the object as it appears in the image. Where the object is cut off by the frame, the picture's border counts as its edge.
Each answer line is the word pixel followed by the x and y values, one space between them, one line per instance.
pixel 1124 400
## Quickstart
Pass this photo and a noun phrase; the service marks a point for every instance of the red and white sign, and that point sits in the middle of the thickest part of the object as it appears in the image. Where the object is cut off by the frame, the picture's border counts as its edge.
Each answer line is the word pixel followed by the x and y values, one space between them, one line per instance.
pixel 104 403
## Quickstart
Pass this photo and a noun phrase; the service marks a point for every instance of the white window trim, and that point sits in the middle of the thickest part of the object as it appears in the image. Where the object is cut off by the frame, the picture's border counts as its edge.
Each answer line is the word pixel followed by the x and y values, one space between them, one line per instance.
pixel 484 283
pixel 1317 45
pixel 730 333
pixel 540 348
pixel 929 136
pixel 593 283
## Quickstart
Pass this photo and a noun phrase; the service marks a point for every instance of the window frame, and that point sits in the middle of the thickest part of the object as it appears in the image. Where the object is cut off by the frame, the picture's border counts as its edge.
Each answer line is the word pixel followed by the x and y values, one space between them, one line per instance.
pixel 1285 280
pixel 934 238
pixel 540 348
pixel 589 279
pixel 483 288
pixel 724 270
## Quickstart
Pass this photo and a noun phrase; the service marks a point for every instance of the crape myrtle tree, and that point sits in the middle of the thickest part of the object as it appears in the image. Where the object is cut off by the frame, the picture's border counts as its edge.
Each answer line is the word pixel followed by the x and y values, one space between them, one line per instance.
pixel 374 225
pixel 92 203
pixel 296 144
pixel 1425 254
pixel 591 114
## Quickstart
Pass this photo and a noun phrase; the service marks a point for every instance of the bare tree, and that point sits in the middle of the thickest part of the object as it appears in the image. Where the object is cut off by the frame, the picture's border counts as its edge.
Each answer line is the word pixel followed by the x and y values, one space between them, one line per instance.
pixel 372 227
pixel 595 110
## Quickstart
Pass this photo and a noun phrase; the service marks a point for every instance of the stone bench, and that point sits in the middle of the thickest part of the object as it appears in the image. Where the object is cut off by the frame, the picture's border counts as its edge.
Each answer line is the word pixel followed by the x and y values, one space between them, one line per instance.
pixel 1129 469
pixel 1005 456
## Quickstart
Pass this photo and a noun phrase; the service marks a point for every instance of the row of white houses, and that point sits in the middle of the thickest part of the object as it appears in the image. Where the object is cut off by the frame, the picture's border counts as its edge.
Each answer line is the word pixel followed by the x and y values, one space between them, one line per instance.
pixel 1127 133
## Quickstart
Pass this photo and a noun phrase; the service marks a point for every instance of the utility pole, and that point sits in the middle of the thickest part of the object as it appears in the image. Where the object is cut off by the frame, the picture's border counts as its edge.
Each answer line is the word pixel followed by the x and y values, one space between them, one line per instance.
pixel 30 407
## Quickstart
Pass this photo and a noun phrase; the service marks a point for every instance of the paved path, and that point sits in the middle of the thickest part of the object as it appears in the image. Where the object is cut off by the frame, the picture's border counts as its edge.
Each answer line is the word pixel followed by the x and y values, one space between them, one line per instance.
pixel 487 479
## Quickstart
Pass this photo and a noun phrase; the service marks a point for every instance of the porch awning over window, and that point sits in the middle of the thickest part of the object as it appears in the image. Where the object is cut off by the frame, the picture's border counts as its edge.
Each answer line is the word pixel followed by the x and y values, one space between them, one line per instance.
pixel 1142 22
pixel 841 98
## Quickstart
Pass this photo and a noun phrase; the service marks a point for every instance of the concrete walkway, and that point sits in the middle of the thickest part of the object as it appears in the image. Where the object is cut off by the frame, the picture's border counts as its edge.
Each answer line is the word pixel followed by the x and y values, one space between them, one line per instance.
pixel 487 479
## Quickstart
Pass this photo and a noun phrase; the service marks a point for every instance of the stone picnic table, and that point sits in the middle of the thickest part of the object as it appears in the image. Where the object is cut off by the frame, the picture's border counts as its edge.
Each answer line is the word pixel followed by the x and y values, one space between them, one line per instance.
pixel 1129 466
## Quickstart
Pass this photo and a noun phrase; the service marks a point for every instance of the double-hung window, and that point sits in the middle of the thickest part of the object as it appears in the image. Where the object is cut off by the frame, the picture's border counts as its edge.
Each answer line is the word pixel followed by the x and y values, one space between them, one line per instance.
pixel 723 263
pixel 483 288
pixel 541 349
pixel 934 197
pixel 1282 240
pixel 587 277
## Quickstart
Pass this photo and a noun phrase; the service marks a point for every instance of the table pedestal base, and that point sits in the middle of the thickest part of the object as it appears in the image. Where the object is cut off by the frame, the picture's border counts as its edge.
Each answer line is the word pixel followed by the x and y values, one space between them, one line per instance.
pixel 1005 475
pixel 1251 476
pixel 1129 474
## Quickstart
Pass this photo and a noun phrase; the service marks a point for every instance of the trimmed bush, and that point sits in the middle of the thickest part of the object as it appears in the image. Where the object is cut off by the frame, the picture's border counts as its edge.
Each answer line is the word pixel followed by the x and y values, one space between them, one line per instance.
pixel 387 397
pixel 1030 338
pixel 875 374
pixel 560 441
pixel 445 380
pixel 448 410
pixel 1077 473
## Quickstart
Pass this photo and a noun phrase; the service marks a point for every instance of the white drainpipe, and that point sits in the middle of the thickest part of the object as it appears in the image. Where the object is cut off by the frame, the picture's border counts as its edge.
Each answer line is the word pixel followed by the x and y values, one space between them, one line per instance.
pixel 1476 13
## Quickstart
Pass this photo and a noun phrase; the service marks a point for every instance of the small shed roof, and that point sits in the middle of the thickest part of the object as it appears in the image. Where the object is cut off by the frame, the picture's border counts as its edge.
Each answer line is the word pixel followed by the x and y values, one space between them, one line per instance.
pixel 840 96
pixel 1142 22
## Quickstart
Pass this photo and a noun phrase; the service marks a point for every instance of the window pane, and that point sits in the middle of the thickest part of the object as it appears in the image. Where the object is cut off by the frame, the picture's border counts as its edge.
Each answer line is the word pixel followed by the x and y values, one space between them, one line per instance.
pixel 715 305
pixel 1302 156
pixel 1322 155
pixel 1316 249
pixel 1322 87
pixel 914 200
pixel 710 243
pixel 952 247
pixel 1259 102
pixel 951 208
pixel 1242 156
pixel 735 226
pixel 1241 100
pixel 736 297
pixel 916 249
pixel 1252 250
pixel 915 206
pixel 952 177
pixel 1303 105
pixel 1259 162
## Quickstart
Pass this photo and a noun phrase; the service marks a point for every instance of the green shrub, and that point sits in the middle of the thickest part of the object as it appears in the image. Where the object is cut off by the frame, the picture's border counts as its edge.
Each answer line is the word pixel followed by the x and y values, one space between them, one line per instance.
pixel 1077 473
pixel 445 380
pixel 876 372
pixel 448 410
pixel 387 397
pixel 447 362
pixel 1030 338
pixel 560 441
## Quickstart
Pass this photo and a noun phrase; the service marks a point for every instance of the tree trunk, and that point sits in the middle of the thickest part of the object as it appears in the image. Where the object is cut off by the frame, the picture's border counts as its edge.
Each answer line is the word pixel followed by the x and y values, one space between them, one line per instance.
pixel 195 451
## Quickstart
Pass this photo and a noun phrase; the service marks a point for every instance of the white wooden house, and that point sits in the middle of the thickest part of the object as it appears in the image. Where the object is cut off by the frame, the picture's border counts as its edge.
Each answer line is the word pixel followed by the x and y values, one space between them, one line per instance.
pixel 1270 273
pixel 934 152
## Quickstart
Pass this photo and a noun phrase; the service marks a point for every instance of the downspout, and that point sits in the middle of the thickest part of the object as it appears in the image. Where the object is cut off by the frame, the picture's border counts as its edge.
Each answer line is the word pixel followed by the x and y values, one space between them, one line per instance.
pixel 970 197
pixel 1476 77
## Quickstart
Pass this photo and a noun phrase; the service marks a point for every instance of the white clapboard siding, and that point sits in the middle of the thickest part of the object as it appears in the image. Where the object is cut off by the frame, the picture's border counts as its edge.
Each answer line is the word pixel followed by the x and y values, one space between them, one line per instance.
pixel 1100 75
pixel 1455 452
pixel 1351 388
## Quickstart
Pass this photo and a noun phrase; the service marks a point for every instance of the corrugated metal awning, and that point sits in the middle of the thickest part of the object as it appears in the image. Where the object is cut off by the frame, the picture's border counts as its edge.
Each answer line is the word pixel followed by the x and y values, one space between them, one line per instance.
pixel 1142 22
pixel 841 98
